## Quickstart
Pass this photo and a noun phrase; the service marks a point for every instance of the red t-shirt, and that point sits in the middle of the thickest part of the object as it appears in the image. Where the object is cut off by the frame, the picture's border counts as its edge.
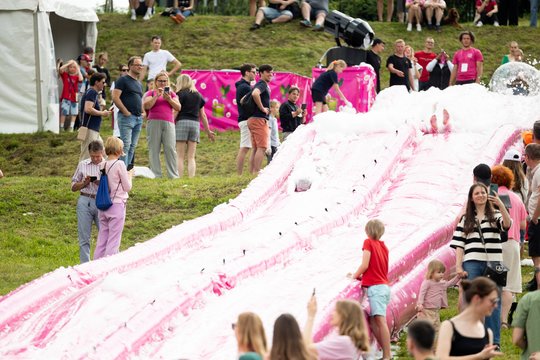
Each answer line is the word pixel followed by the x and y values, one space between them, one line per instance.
pixel 70 86
pixel 490 6
pixel 423 59
pixel 377 271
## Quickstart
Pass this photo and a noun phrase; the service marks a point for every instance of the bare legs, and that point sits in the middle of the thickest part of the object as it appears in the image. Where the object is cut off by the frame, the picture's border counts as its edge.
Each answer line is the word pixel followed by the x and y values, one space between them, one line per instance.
pixel 240 158
pixel 382 334
pixel 256 159
pixel 389 10
pixel 181 151
pixel 253 6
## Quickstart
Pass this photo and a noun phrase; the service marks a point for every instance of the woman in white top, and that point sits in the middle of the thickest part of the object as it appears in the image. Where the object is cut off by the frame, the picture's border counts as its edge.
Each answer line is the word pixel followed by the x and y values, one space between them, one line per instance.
pixel 416 67
pixel 350 338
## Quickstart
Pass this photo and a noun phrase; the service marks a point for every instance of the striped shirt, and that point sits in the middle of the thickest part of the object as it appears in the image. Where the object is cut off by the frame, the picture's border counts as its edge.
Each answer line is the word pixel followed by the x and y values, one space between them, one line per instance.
pixel 472 243
pixel 84 169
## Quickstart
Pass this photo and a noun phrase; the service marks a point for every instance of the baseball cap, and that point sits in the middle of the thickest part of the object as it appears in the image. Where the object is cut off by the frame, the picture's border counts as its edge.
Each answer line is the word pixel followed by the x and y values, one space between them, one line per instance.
pixel 482 173
pixel 85 57
pixel 512 155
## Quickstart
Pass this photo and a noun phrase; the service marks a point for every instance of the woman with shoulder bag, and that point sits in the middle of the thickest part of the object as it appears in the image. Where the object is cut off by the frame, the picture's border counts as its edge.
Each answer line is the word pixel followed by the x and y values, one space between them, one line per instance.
pixel 111 221
pixel 477 241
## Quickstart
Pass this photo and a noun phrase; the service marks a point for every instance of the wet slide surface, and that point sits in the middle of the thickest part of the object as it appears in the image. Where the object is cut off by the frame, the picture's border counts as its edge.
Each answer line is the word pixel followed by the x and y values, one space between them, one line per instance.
pixel 176 295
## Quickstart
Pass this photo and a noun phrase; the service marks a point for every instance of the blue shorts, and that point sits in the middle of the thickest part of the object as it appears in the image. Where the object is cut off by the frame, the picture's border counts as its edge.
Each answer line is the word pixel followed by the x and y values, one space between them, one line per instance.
pixel 379 298
pixel 271 13
pixel 68 107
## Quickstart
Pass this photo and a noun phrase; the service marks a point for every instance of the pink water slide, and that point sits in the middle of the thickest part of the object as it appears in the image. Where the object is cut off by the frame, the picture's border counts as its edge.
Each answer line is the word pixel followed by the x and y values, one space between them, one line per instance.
pixel 174 296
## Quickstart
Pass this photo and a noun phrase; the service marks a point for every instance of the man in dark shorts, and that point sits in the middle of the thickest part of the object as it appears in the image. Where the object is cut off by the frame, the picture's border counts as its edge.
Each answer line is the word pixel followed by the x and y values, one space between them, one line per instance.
pixel 317 9
pixel 532 159
pixel 399 66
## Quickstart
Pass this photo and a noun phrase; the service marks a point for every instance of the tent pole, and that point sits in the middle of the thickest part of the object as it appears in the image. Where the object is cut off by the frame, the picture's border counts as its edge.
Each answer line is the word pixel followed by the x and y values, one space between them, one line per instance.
pixel 37 58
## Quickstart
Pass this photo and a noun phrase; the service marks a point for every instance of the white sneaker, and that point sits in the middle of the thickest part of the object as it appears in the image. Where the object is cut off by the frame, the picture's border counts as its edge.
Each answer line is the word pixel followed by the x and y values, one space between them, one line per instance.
pixel 479 24
pixel 496 23
pixel 146 17
pixel 418 27
pixel 409 27
pixel 133 17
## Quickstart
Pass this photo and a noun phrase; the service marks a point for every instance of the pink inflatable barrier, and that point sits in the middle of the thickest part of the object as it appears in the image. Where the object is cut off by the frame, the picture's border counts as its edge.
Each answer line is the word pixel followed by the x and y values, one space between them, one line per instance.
pixel 218 90
pixel 357 83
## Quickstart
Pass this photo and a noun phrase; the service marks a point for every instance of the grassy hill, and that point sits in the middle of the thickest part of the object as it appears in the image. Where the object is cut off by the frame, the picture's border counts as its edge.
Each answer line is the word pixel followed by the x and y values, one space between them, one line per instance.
pixel 38 231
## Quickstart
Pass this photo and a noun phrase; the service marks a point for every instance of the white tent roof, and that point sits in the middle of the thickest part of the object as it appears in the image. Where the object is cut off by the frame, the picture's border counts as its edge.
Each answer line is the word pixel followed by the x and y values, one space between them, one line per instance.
pixel 70 9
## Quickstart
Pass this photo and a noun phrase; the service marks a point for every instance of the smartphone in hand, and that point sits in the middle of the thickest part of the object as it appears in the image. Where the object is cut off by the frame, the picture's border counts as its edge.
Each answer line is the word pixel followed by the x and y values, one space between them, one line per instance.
pixel 93 178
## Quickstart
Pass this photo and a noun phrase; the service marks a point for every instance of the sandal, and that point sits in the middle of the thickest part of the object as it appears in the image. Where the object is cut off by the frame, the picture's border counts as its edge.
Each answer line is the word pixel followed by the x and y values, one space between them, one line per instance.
pixel 504 325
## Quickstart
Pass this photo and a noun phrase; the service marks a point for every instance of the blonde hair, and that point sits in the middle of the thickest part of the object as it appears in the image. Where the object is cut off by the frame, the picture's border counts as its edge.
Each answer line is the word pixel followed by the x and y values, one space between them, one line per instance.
pixel 434 266
pixel 185 82
pixel 251 333
pixel 274 103
pixel 161 74
pixel 412 50
pixel 374 229
pixel 353 323
pixel 114 146
pixel 335 64
pixel 399 41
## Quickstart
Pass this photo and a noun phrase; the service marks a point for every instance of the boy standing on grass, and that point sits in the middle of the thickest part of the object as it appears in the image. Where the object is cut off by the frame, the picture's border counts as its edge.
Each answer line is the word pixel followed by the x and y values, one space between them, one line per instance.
pixel 273 139
pixel 71 77
pixel 373 272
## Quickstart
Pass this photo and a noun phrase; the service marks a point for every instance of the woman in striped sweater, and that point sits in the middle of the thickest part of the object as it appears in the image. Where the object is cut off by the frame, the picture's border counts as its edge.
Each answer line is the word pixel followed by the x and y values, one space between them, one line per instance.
pixel 472 254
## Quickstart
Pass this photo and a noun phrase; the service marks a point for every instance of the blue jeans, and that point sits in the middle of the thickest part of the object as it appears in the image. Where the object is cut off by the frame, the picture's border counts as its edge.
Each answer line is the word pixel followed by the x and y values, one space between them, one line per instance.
pixel 87 213
pixel 185 13
pixel 475 269
pixel 130 129
pixel 534 12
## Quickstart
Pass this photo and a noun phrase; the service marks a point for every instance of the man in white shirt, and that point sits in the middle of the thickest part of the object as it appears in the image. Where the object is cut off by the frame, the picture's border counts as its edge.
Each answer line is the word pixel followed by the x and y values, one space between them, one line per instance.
pixel 156 60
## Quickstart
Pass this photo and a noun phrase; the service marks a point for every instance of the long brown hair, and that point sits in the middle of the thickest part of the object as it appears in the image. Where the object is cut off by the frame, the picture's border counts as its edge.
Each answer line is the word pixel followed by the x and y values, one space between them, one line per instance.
pixel 251 332
pixel 287 343
pixel 353 323
pixel 519 175
pixel 470 214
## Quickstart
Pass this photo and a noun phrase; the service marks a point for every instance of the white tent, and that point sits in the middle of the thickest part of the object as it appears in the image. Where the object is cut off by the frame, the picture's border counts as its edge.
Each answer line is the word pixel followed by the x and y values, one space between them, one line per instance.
pixel 35 33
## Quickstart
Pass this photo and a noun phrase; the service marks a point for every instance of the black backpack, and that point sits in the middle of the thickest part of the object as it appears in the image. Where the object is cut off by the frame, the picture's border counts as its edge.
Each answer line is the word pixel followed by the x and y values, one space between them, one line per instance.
pixel 248 104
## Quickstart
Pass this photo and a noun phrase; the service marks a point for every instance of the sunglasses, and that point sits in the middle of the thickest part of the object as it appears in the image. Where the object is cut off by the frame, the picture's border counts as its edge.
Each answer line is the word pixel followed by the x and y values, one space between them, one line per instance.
pixel 123 70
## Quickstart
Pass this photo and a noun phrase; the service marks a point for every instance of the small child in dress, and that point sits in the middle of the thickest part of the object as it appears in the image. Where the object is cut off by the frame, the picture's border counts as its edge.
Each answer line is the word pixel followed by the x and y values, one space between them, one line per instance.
pixel 274 130
pixel 432 297
pixel 373 272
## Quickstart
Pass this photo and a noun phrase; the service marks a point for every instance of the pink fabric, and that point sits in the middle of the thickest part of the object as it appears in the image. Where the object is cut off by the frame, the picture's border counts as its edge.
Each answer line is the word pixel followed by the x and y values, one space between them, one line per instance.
pixel 357 83
pixel 433 293
pixel 517 212
pixel 162 110
pixel 411 1
pixel 118 174
pixel 336 347
pixel 465 60
pixel 111 226
pixel 219 92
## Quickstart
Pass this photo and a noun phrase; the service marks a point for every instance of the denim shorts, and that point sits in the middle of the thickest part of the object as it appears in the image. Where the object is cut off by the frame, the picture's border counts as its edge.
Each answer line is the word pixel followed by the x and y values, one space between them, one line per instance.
pixel 68 107
pixel 379 298
pixel 271 13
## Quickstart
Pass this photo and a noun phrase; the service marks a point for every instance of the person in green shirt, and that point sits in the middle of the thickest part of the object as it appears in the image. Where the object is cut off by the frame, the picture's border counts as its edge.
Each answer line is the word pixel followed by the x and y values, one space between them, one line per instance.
pixel 516 54
pixel 526 323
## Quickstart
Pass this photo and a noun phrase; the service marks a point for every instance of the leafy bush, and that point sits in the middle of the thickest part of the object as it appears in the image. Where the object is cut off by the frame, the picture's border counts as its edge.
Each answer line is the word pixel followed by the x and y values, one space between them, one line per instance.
pixel 363 9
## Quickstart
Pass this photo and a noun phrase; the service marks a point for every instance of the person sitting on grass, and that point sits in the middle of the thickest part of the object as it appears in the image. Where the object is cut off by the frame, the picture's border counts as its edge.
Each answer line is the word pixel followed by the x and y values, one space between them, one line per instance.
pixel 181 10
pixel 434 7
pixel 144 8
pixel 415 8
pixel 317 9
pixel 486 12
pixel 277 11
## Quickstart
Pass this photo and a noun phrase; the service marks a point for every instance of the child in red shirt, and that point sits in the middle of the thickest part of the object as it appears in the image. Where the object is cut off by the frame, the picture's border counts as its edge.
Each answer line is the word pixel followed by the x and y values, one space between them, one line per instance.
pixel 71 76
pixel 373 272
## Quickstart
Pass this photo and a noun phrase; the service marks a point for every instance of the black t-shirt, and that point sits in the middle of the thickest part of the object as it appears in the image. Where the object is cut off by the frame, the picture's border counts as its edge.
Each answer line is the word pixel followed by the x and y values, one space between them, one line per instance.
pixel 242 88
pixel 288 122
pixel 294 8
pixel 191 102
pixel 325 82
pixel 91 121
pixel 132 93
pixel 375 61
pixel 402 64
pixel 265 99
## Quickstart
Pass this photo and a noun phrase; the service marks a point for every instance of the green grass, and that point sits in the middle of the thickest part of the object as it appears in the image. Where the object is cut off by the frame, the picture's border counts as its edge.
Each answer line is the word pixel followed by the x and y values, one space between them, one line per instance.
pixel 38 231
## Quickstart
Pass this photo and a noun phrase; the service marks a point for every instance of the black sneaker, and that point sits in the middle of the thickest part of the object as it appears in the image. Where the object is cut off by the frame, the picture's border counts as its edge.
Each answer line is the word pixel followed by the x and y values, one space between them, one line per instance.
pixel 254 27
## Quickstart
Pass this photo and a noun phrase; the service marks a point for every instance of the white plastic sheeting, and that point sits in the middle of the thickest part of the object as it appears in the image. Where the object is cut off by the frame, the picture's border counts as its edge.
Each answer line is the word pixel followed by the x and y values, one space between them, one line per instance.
pixel 29 100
